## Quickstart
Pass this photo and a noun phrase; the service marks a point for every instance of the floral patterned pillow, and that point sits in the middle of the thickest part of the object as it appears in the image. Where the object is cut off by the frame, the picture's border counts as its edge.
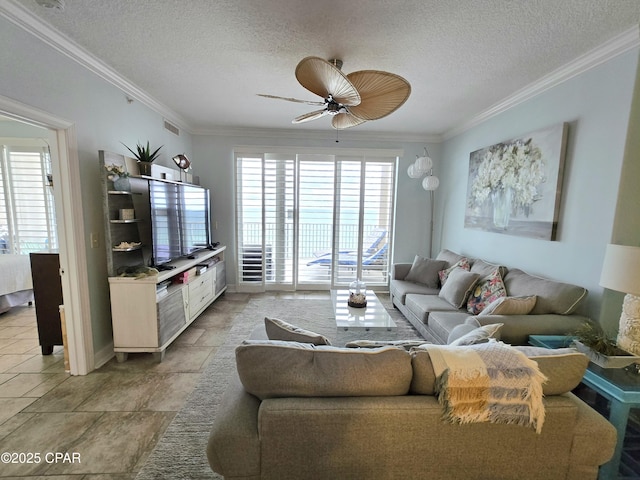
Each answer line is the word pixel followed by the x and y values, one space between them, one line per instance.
pixel 487 290
pixel 444 274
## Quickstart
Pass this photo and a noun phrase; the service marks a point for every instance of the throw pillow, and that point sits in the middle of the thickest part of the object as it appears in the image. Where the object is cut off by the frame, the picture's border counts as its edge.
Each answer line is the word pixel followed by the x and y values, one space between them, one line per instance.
pixel 444 274
pixel 487 290
pixel 458 331
pixel 458 287
pixel 479 335
pixel 425 271
pixel 281 330
pixel 510 306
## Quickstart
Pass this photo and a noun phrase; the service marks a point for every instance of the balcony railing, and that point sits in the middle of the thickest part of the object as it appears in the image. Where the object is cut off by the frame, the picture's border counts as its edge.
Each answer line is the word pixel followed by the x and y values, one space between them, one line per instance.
pixel 313 237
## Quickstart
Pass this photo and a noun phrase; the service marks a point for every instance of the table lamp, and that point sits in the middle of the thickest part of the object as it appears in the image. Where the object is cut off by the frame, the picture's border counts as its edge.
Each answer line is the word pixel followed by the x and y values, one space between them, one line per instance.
pixel 621 272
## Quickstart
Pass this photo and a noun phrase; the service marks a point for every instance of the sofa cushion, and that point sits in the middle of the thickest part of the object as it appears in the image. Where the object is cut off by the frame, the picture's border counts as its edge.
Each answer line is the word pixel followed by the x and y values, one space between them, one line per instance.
pixel 425 271
pixel 563 367
pixel 422 305
pixel 564 370
pixel 487 290
pixel 271 369
pixel 477 335
pixel 510 306
pixel 401 288
pixel 552 297
pixel 444 274
pixel 458 287
pixel 484 269
pixel 280 330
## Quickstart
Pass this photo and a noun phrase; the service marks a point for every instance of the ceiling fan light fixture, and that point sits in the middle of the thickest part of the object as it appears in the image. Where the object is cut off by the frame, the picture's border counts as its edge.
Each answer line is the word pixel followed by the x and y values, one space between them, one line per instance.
pixel 349 99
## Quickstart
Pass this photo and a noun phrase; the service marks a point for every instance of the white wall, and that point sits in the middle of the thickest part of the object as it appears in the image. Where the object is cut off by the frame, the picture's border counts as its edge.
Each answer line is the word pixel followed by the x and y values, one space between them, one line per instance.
pixel 215 154
pixel 39 76
pixel 596 104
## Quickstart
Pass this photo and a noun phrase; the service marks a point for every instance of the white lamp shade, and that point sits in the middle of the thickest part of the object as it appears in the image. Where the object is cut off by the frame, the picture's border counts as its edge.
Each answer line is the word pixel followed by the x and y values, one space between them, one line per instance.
pixel 621 269
pixel 411 171
pixel 430 183
pixel 423 164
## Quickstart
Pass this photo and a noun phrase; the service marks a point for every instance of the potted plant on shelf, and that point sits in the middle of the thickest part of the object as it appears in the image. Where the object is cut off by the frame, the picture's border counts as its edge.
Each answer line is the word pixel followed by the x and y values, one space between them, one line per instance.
pixel 145 157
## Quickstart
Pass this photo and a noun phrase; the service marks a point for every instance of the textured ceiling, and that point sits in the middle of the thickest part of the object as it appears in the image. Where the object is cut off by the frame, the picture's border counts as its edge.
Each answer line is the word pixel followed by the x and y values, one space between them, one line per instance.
pixel 206 60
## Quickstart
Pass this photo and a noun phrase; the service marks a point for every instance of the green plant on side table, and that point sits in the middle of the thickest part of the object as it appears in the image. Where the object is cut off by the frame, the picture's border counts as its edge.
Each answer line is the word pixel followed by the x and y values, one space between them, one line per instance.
pixel 145 157
pixel 601 350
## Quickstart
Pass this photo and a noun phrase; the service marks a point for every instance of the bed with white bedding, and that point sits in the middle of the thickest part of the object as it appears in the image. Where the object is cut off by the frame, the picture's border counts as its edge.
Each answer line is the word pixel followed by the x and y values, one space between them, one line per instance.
pixel 16 287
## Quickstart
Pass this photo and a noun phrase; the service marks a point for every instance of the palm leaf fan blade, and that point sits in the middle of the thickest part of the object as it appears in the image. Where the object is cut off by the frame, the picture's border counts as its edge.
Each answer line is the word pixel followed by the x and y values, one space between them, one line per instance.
pixel 345 120
pixel 322 78
pixel 289 99
pixel 381 93
pixel 307 117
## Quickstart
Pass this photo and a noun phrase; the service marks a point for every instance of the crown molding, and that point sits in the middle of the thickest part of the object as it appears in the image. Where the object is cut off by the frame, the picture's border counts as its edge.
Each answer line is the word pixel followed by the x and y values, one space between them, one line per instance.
pixel 23 18
pixel 616 46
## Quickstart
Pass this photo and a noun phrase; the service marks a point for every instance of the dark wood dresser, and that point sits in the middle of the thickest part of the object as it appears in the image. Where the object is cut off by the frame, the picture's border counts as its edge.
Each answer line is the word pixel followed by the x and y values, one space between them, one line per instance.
pixel 47 293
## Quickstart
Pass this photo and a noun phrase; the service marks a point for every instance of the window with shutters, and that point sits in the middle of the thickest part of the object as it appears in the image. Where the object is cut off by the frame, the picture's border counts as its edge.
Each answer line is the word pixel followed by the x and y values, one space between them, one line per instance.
pixel 27 214
pixel 313 219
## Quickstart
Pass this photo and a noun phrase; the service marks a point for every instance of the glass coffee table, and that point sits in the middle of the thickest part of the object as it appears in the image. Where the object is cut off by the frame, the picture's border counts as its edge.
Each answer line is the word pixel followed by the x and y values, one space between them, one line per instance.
pixel 618 385
pixel 372 317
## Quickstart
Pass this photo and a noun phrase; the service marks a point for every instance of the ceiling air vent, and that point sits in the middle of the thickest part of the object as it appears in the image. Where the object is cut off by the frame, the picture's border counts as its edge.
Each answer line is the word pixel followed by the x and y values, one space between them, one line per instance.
pixel 172 128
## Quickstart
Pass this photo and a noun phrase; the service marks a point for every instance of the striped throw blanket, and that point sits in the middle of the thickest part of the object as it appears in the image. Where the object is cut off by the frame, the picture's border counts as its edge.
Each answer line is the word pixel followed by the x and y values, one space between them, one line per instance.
pixel 488 382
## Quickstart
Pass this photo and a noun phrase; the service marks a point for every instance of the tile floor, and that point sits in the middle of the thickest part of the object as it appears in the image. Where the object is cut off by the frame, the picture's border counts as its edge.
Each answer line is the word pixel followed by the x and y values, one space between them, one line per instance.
pixel 111 418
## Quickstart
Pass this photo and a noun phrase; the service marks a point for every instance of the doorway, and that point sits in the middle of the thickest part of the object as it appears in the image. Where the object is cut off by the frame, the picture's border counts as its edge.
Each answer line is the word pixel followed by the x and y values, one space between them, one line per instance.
pixel 68 206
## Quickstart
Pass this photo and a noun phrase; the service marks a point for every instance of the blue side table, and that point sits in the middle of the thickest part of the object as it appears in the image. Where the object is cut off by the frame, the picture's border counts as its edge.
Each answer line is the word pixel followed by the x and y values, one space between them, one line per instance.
pixel 620 387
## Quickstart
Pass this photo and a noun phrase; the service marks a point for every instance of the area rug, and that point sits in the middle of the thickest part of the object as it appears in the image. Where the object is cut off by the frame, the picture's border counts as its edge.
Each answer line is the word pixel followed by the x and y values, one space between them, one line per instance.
pixel 181 452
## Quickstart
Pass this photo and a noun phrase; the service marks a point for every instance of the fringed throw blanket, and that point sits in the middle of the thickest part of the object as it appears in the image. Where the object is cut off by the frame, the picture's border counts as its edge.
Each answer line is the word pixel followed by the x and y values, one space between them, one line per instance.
pixel 489 382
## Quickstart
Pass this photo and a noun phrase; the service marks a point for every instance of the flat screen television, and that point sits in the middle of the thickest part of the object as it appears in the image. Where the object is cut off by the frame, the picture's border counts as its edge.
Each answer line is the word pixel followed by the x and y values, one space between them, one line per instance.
pixel 194 219
pixel 179 220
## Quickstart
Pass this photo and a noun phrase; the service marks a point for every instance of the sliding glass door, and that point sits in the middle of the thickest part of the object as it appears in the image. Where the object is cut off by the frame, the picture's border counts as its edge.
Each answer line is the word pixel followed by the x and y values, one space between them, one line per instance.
pixel 313 220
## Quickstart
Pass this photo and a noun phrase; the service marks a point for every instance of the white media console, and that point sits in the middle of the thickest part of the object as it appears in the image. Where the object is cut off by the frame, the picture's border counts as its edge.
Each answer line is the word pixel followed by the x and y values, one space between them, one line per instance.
pixel 149 313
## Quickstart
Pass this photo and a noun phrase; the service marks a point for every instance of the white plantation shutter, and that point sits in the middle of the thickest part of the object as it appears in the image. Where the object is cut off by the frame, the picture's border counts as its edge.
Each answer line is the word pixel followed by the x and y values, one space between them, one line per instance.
pixel 279 182
pixel 315 214
pixel 27 214
pixel 377 201
pixel 348 193
pixel 249 219
pixel 313 219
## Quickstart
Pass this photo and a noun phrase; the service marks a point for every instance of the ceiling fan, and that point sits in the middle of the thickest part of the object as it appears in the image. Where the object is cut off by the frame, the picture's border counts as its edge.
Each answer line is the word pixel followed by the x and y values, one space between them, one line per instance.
pixel 349 99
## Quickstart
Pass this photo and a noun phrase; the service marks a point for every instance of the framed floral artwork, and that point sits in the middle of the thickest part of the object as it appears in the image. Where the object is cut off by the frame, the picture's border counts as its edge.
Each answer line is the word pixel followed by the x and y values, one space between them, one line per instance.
pixel 514 186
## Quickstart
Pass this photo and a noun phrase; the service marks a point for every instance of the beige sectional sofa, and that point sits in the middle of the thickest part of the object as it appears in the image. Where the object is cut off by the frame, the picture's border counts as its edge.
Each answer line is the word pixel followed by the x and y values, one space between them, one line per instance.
pixel 294 411
pixel 420 298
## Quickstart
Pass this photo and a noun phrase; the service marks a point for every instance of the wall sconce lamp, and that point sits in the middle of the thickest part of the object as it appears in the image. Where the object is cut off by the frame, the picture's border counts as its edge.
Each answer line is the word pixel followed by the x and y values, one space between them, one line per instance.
pixel 424 165
pixel 182 162
pixel 621 272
